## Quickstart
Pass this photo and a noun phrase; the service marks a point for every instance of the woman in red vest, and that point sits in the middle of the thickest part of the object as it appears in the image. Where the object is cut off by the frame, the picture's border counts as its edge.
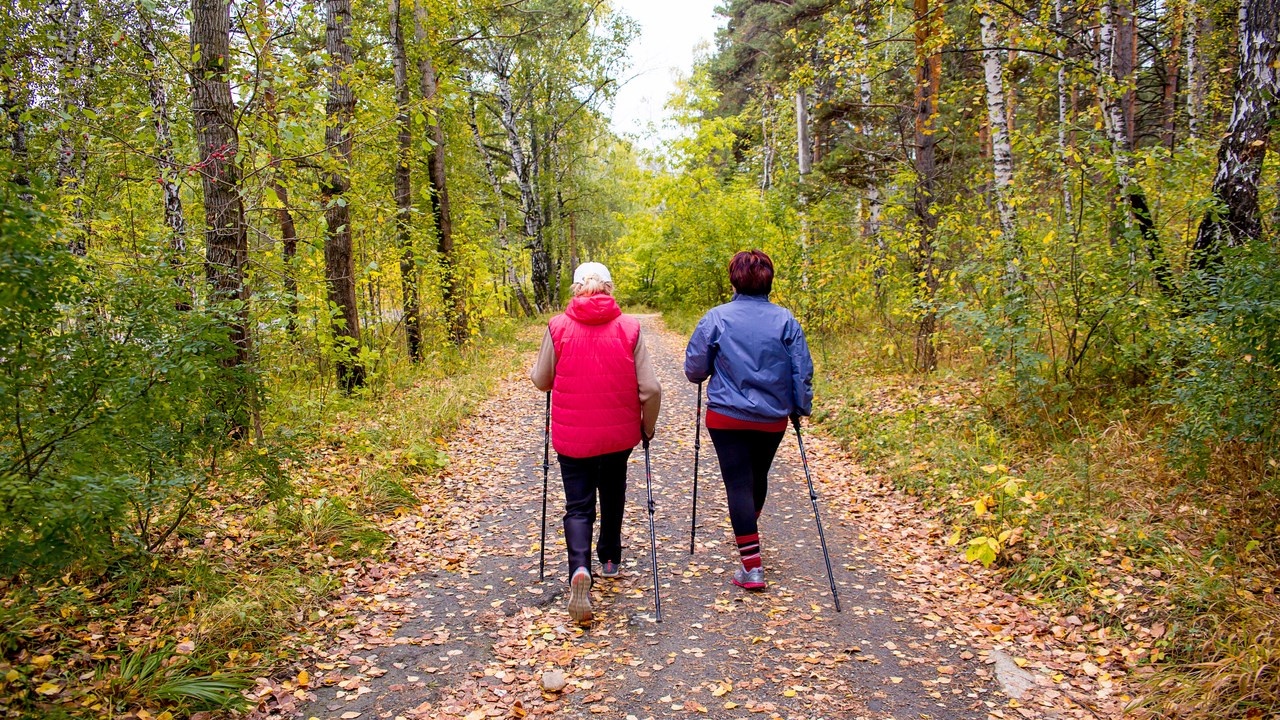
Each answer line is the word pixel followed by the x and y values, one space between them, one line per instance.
pixel 604 394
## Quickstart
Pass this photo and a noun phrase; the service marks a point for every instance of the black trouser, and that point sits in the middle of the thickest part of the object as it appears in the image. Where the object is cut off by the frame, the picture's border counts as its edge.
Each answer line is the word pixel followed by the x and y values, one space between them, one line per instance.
pixel 745 457
pixel 583 478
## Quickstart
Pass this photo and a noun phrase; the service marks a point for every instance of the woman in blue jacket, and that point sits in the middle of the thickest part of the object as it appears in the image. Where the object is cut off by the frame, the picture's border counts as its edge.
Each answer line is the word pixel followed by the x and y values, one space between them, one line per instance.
pixel 761 375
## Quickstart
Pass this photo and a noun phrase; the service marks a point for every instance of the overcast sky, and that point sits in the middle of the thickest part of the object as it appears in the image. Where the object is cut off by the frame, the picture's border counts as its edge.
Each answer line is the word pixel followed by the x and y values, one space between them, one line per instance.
pixel 669 32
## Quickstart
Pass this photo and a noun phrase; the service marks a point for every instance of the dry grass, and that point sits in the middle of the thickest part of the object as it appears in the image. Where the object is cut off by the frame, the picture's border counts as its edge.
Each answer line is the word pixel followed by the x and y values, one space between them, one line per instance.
pixel 1198 553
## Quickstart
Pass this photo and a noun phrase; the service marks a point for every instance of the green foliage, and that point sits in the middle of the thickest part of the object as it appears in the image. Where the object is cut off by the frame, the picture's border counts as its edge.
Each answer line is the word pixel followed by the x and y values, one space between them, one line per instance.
pixel 1224 365
pixel 151 677
pixel 117 406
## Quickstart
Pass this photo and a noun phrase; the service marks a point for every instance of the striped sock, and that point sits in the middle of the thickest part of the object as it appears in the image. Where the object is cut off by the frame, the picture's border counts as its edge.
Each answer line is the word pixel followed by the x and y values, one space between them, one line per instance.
pixel 749 549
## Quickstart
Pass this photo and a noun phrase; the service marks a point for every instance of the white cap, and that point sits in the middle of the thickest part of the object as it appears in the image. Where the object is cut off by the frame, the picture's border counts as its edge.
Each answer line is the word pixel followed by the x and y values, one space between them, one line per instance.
pixel 591 268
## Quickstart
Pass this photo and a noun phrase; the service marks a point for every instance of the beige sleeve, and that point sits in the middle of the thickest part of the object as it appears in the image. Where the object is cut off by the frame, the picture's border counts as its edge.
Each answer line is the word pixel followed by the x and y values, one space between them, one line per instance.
pixel 543 374
pixel 650 389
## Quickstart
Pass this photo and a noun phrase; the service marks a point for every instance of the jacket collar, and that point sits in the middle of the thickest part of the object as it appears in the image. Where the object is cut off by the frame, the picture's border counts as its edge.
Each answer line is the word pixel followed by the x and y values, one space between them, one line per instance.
pixel 749 298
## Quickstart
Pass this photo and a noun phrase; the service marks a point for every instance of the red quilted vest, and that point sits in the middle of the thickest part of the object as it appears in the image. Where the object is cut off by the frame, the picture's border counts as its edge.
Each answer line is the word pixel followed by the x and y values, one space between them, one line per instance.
pixel 595 401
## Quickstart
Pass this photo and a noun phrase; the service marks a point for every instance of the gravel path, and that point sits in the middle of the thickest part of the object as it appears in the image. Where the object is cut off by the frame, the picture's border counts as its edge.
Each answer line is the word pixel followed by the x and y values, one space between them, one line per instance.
pixel 456 625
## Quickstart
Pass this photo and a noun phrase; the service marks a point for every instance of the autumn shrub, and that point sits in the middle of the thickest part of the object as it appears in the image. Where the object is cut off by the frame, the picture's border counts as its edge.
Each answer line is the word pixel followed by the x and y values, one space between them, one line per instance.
pixel 116 405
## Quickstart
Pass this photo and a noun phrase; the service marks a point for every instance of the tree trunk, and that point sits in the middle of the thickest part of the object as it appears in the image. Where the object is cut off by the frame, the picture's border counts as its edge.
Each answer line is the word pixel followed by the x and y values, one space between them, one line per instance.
pixel 166 162
pixel 218 146
pixel 928 82
pixel 338 262
pixel 284 213
pixel 1121 150
pixel 1062 108
pixel 513 280
pixel 1193 67
pixel 1001 149
pixel 11 107
pixel 453 295
pixel 1172 67
pixel 71 161
pixel 530 204
pixel 1234 218
pixel 872 207
pixel 402 189
pixel 804 153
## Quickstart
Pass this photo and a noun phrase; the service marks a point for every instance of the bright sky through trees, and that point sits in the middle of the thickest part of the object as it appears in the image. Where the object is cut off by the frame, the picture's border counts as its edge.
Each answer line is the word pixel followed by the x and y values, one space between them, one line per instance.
pixel 670 32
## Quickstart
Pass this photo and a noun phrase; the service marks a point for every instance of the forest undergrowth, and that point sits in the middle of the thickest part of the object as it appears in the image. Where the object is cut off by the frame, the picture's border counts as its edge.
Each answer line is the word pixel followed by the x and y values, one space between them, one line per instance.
pixel 1084 512
pixel 183 631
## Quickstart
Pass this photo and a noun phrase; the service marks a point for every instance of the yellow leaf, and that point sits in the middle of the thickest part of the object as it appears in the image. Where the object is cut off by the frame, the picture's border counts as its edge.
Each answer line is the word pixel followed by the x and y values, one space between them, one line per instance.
pixel 166 715
pixel 303 678
pixel 48 688
pixel 789 692
pixel 42 661
pixel 980 507
pixel 729 705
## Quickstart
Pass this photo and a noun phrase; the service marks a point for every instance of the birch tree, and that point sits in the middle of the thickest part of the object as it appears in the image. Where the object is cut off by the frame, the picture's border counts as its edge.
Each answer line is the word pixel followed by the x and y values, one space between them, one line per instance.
pixel 1234 218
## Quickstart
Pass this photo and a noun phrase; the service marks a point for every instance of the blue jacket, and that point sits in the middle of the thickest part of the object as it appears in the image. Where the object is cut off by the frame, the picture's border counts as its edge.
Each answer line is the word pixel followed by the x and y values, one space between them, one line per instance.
pixel 757 358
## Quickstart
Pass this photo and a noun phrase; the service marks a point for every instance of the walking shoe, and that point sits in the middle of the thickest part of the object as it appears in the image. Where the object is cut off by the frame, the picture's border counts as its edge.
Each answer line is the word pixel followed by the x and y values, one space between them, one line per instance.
pixel 749 579
pixel 580 596
pixel 609 569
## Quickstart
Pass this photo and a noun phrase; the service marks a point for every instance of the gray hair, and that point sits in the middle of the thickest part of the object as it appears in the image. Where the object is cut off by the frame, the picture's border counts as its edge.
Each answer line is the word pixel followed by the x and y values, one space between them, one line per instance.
pixel 591 285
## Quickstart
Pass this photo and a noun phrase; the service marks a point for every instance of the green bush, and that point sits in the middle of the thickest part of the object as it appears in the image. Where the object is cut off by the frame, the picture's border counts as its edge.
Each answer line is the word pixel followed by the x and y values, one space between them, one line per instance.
pixel 116 405
pixel 1224 368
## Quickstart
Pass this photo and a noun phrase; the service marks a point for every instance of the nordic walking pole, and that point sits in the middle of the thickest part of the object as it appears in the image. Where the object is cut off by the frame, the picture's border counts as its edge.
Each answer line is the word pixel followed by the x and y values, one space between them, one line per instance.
pixel 546 462
pixel 653 541
pixel 697 444
pixel 813 497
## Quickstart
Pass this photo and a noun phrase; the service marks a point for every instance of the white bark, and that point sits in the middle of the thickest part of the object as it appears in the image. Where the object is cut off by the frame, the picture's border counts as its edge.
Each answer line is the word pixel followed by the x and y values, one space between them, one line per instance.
pixel 1001 151
pixel 1193 75
pixel 1062 109
pixel 803 148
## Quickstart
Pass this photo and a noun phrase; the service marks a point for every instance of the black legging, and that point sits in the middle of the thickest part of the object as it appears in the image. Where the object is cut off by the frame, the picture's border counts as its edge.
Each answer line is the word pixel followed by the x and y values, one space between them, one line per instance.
pixel 745 457
pixel 583 478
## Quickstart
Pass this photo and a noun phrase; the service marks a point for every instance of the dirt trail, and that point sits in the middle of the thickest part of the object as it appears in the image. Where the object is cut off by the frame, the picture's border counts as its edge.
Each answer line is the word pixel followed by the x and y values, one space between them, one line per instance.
pixel 456 625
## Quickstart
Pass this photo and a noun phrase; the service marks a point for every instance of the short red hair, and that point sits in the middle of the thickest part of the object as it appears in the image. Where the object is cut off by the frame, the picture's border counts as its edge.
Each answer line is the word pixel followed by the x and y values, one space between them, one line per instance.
pixel 751 273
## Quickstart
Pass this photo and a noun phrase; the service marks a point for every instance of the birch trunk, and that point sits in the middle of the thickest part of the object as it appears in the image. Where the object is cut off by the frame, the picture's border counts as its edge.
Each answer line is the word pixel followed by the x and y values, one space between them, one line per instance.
pixel 218 146
pixel 71 161
pixel 1172 71
pixel 338 261
pixel 997 117
pixel 530 204
pixel 513 279
pixel 1193 67
pixel 402 188
pixel 804 151
pixel 1234 219
pixel 166 162
pixel 872 206
pixel 1062 108
pixel 1121 150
